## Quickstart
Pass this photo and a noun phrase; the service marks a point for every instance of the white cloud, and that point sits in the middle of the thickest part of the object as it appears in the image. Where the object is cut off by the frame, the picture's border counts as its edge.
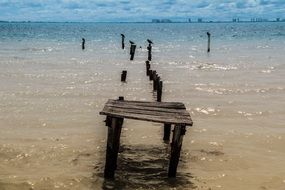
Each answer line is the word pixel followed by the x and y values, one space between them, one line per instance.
pixel 135 10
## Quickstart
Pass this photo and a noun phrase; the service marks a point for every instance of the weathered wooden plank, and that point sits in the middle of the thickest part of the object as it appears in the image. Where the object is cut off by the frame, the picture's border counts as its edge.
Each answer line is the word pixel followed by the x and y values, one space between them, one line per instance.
pixel 148 112
pixel 153 118
pixel 161 112
pixel 129 106
pixel 169 105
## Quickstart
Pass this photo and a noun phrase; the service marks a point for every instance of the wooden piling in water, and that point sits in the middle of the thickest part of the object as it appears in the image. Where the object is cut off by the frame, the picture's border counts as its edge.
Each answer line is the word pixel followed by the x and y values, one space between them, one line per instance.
pixel 123 41
pixel 83 43
pixel 150 75
pixel 123 76
pixel 166 132
pixel 156 83
pixel 209 42
pixel 159 91
pixel 132 51
pixel 147 64
pixel 149 48
pixel 113 143
pixel 155 77
pixel 176 144
pixel 153 74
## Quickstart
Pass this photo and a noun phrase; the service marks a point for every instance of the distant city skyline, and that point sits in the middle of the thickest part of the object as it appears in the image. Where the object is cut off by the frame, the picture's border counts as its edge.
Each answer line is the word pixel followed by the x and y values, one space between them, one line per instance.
pixel 139 11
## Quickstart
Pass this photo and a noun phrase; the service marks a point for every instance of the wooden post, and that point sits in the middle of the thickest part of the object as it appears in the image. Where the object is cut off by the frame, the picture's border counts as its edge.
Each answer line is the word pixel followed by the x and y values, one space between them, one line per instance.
pixel 209 41
pixel 123 41
pixel 154 82
pixel 149 48
pixel 83 43
pixel 159 91
pixel 123 76
pixel 176 144
pixel 108 121
pixel 121 98
pixel 113 144
pixel 150 75
pixel 147 68
pixel 132 51
pixel 167 130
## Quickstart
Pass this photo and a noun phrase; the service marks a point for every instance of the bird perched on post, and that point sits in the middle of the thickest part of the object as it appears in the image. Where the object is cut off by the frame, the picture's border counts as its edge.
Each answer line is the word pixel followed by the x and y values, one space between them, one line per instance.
pixel 208 33
pixel 123 36
pixel 149 41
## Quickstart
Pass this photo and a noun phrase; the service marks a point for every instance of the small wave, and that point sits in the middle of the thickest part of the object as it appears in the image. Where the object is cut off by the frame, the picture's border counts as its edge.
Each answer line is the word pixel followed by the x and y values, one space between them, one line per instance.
pixel 268 70
pixel 249 115
pixel 278 34
pixel 207 111
pixel 225 91
pixel 48 49
pixel 214 67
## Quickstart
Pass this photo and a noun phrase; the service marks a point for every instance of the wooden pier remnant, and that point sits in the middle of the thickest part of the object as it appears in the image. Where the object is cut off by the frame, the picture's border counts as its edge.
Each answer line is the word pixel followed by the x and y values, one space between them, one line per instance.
pixel 167 131
pixel 150 74
pixel 132 50
pixel 147 64
pixel 149 48
pixel 83 43
pixel 167 113
pixel 123 41
pixel 159 91
pixel 156 80
pixel 176 144
pixel 123 76
pixel 209 42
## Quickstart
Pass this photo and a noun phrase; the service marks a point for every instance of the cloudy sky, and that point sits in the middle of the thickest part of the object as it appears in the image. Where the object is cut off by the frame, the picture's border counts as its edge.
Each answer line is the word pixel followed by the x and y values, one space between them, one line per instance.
pixel 138 10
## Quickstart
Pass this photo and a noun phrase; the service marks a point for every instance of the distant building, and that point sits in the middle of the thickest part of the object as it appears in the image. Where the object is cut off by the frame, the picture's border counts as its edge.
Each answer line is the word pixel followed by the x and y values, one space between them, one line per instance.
pixel 200 20
pixel 189 20
pixel 277 19
pixel 261 20
pixel 161 21
pixel 165 21
pixel 155 21
pixel 235 19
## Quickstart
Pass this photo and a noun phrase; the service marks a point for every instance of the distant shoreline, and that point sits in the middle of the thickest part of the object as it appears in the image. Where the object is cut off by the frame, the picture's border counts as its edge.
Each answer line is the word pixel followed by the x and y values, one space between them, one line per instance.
pixel 173 22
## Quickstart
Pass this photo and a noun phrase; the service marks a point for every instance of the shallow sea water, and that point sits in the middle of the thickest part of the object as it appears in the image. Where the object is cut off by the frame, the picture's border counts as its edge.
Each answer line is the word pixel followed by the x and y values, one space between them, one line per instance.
pixel 51 93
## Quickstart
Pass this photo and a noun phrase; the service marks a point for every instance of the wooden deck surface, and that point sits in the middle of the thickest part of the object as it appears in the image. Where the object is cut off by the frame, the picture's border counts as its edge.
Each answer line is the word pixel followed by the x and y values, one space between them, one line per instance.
pixel 160 112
